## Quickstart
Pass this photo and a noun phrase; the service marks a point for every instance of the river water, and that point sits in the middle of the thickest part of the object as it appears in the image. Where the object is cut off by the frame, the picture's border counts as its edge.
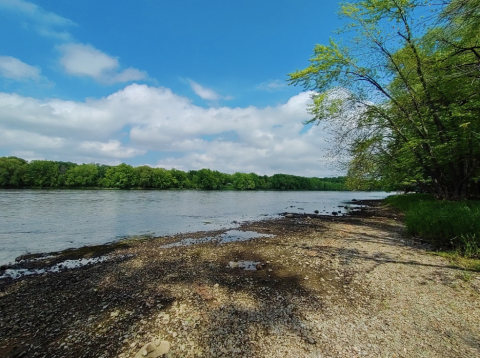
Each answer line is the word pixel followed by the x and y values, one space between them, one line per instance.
pixel 33 221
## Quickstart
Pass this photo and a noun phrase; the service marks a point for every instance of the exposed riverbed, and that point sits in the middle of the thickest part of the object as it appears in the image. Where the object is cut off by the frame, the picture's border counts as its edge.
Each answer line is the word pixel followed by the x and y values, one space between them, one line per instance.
pixel 311 286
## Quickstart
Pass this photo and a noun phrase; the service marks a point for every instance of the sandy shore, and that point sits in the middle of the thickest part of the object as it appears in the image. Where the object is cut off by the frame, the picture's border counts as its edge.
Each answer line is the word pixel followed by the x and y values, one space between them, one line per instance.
pixel 323 287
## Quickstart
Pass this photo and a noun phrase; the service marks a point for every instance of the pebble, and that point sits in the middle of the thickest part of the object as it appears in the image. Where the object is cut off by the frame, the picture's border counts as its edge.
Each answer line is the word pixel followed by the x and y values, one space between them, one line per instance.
pixel 154 349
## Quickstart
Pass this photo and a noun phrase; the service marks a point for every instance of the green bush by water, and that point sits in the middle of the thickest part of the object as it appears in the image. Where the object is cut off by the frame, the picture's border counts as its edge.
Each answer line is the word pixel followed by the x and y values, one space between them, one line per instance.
pixel 405 201
pixel 446 224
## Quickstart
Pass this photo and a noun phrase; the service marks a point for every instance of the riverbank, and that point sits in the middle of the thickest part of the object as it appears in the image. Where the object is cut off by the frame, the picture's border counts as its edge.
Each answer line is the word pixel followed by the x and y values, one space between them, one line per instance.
pixel 322 287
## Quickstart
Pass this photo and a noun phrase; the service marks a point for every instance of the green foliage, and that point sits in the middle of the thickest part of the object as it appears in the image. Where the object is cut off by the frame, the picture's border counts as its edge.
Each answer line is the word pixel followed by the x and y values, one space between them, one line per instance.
pixel 122 177
pixel 18 173
pixel 207 179
pixel 164 179
pixel 85 175
pixel 243 181
pixel 453 224
pixel 12 171
pixel 143 176
pixel 42 173
pixel 404 202
pixel 400 95
pixel 445 222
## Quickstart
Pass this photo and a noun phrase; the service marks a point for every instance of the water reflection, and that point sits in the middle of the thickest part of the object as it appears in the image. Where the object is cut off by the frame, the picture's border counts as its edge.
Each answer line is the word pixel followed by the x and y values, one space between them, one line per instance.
pixel 228 236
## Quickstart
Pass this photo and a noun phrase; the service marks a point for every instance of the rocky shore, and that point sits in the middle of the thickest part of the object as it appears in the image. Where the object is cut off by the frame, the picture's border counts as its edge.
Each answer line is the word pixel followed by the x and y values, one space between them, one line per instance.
pixel 316 286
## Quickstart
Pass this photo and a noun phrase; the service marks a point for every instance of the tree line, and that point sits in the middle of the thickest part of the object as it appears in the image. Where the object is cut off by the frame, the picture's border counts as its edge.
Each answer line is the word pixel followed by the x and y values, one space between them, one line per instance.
pixel 18 173
pixel 401 94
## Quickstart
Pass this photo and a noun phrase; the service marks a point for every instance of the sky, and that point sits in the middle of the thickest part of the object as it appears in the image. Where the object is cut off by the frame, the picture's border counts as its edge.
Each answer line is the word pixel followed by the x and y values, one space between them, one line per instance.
pixel 183 84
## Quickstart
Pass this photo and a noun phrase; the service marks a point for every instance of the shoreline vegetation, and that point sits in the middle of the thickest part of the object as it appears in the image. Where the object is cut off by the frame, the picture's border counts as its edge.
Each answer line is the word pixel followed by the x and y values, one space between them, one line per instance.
pixel 17 173
pixel 451 227
pixel 357 285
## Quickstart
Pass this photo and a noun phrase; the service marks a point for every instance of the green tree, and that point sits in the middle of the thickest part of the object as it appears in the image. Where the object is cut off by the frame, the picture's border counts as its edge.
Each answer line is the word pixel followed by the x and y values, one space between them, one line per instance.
pixel 144 176
pixel 163 179
pixel 182 180
pixel 84 175
pixel 121 176
pixel 400 94
pixel 41 173
pixel 207 179
pixel 242 181
pixel 12 170
pixel 63 168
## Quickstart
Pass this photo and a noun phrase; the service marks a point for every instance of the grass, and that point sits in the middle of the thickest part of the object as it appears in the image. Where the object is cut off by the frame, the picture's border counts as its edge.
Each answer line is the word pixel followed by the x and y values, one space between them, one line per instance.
pixel 457 259
pixel 452 226
pixel 406 201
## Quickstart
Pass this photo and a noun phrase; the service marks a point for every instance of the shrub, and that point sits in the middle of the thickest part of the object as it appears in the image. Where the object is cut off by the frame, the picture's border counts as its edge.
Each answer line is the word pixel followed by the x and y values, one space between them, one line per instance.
pixel 453 224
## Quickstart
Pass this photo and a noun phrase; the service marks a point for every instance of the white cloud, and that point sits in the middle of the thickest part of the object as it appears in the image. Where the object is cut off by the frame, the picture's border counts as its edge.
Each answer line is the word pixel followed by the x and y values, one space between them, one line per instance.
pixel 13 68
pixel 87 61
pixel 24 139
pixel 112 148
pixel 44 22
pixel 272 85
pixel 77 59
pixel 140 118
pixel 206 93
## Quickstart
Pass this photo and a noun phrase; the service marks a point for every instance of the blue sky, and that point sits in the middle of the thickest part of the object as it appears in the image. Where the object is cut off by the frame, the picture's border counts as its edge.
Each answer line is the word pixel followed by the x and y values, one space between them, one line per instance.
pixel 184 84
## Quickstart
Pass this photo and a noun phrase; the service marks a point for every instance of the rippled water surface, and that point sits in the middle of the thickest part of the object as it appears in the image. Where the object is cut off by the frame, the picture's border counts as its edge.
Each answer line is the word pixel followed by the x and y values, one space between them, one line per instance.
pixel 50 220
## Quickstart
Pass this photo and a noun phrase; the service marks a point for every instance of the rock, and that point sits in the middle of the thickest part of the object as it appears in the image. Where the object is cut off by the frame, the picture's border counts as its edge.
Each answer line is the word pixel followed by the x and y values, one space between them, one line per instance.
pixel 334 213
pixel 232 264
pixel 354 200
pixel 289 215
pixel 154 349
pixel 316 211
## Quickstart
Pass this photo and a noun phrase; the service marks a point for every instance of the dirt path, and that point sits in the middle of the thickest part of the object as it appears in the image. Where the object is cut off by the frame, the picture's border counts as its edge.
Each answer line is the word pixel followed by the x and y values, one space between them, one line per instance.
pixel 327 287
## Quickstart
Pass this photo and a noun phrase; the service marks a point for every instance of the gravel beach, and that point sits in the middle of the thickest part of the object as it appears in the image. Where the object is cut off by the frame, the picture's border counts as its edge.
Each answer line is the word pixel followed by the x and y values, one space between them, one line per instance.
pixel 317 286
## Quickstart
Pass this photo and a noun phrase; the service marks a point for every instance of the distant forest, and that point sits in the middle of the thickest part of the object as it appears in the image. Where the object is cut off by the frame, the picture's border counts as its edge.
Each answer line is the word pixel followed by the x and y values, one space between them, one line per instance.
pixel 18 173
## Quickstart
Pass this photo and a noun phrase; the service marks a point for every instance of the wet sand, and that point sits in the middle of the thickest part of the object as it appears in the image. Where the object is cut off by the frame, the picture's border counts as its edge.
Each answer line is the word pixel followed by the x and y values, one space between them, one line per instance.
pixel 353 286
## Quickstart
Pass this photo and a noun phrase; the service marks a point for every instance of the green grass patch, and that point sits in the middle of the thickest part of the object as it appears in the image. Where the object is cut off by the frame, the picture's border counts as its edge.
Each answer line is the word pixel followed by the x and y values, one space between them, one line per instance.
pixel 459 260
pixel 405 201
pixel 453 225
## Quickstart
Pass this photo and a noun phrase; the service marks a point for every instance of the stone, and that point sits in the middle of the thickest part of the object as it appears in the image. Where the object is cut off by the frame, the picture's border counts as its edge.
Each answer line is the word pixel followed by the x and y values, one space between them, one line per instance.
pixel 232 264
pixel 154 349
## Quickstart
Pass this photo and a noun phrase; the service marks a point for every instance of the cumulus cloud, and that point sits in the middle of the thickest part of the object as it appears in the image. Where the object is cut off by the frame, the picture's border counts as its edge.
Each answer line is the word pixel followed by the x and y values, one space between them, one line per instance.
pixel 272 85
pixel 13 68
pixel 205 93
pixel 44 22
pixel 86 61
pixel 23 139
pixel 112 148
pixel 139 118
pixel 77 59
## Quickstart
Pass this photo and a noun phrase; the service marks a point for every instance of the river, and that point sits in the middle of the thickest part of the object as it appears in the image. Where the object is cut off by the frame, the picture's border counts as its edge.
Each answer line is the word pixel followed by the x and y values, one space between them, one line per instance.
pixel 33 221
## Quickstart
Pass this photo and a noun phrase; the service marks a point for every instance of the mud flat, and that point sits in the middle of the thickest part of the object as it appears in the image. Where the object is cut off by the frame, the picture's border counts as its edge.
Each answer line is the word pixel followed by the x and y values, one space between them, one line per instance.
pixel 312 286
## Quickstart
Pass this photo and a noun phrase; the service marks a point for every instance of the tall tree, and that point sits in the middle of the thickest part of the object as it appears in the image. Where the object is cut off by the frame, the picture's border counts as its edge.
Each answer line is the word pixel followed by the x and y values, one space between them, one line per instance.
pixel 401 94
